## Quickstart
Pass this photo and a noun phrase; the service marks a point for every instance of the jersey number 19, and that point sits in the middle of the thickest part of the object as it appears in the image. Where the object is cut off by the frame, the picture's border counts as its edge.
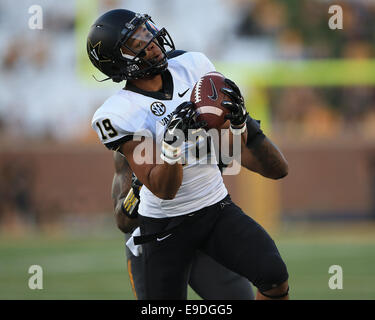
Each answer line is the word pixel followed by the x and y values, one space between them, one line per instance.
pixel 106 123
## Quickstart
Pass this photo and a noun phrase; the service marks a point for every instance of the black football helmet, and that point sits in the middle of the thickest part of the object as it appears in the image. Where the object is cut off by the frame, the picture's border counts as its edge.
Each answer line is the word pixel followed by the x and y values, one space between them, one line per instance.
pixel 117 41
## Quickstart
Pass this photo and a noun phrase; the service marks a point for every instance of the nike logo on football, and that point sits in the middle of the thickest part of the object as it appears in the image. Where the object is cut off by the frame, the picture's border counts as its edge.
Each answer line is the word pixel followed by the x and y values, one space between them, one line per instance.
pixel 182 94
pixel 214 92
pixel 163 238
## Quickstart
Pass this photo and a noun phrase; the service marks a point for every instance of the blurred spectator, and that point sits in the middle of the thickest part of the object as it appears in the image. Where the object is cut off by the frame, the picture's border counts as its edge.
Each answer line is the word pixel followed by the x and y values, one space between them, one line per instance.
pixel 16 185
pixel 264 17
pixel 368 123
pixel 307 21
pixel 23 50
pixel 299 28
pixel 356 103
pixel 304 112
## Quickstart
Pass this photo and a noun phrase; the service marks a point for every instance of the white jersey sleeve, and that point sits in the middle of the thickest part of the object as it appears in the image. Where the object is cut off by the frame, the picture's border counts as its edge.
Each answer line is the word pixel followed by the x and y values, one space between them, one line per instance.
pixel 191 66
pixel 116 122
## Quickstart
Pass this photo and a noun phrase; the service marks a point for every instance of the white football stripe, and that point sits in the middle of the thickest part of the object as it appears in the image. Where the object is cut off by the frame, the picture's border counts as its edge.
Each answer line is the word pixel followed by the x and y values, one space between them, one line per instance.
pixel 210 109
pixel 213 73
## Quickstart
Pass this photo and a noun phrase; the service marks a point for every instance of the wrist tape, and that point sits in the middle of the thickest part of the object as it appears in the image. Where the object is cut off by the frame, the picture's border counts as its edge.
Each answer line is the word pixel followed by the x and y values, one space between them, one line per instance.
pixel 238 131
pixel 169 153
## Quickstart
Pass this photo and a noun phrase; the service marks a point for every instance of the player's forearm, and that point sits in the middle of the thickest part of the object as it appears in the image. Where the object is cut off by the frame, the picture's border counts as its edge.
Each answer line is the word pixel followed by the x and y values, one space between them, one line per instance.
pixel 236 143
pixel 165 180
pixel 124 223
pixel 120 187
pixel 160 177
pixel 226 137
pixel 265 158
pixel 122 178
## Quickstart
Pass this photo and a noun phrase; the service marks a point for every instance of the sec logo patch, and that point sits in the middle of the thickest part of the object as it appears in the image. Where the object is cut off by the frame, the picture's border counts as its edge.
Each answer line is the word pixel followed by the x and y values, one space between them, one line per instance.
pixel 158 109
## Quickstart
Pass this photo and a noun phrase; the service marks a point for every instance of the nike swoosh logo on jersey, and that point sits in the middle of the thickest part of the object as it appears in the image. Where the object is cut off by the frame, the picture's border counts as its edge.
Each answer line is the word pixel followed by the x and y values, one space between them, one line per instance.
pixel 161 239
pixel 214 92
pixel 182 94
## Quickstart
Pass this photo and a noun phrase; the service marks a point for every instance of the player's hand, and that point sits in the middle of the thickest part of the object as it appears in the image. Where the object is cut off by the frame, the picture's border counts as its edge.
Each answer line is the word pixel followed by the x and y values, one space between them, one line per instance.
pixel 130 204
pixel 236 104
pixel 136 186
pixel 183 119
pixel 177 131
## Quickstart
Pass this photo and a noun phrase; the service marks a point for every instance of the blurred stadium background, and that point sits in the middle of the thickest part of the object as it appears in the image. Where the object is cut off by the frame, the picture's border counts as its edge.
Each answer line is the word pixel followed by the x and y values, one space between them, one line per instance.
pixel 312 87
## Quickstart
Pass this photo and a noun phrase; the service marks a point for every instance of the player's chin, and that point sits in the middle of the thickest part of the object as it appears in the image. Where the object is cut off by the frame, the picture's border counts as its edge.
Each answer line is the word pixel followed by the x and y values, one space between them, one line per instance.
pixel 156 59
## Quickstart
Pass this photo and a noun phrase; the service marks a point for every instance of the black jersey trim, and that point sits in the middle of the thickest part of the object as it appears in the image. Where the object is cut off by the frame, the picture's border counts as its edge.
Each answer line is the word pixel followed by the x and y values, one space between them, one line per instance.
pixel 114 145
pixel 175 53
pixel 166 93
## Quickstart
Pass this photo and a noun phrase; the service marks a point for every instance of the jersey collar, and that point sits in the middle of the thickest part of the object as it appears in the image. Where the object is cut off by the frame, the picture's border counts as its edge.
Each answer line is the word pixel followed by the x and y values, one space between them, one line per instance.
pixel 166 93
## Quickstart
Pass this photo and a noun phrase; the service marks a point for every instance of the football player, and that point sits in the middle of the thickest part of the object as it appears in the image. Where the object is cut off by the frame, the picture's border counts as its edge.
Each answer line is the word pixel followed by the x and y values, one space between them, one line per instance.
pixel 185 206
pixel 209 279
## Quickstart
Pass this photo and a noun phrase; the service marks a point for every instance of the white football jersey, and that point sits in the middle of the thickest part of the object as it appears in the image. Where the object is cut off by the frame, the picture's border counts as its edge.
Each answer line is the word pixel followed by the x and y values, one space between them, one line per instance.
pixel 133 112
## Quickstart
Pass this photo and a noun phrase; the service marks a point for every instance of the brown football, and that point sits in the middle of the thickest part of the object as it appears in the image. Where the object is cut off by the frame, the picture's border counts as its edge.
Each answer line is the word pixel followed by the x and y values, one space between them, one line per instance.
pixel 207 97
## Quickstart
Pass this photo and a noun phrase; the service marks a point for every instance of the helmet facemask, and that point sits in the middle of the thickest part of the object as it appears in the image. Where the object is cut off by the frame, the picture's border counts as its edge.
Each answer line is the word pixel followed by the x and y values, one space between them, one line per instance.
pixel 139 34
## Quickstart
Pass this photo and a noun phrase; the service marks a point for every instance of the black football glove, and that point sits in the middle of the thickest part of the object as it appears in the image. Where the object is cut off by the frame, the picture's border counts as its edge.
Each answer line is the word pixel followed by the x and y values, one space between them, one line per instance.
pixel 131 202
pixel 183 119
pixel 236 105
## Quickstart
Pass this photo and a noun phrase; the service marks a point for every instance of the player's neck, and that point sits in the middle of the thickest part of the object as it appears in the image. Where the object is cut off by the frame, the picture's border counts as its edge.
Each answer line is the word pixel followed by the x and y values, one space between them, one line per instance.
pixel 149 84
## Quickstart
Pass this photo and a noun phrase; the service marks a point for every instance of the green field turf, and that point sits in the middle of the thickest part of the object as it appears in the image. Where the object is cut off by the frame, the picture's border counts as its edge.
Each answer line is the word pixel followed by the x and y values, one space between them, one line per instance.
pixel 93 267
